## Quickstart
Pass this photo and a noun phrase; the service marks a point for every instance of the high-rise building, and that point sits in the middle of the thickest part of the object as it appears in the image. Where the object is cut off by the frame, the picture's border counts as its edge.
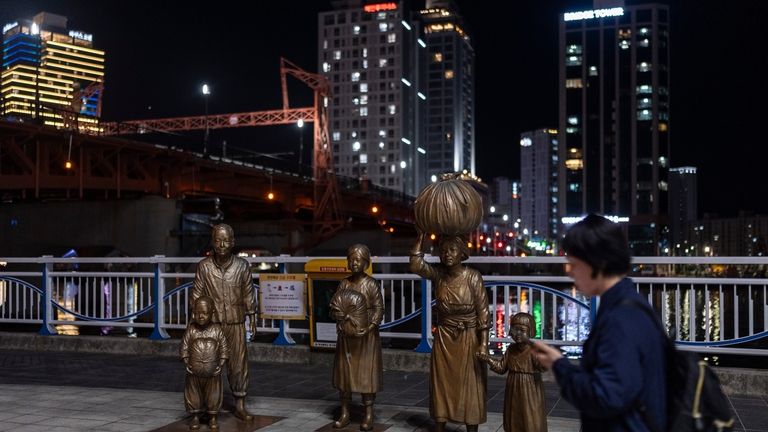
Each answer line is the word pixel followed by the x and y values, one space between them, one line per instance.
pixel 682 201
pixel 44 66
pixel 370 53
pixel 614 116
pixel 450 83
pixel 538 176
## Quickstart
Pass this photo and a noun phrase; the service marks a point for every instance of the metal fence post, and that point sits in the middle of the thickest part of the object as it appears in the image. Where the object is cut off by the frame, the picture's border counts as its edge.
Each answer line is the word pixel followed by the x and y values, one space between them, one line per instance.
pixel 158 291
pixel 426 317
pixel 283 337
pixel 47 299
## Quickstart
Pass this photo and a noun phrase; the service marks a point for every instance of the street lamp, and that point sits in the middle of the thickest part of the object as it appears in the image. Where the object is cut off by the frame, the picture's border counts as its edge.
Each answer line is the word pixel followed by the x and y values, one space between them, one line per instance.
pixel 300 124
pixel 206 93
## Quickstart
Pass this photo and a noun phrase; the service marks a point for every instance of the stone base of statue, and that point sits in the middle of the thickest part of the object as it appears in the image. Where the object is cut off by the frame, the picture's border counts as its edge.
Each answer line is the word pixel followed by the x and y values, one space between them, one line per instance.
pixel 227 422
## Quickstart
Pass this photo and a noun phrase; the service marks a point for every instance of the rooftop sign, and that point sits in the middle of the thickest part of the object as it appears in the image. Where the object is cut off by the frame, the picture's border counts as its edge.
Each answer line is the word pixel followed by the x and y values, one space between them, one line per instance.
pixel 380 7
pixel 81 35
pixel 592 14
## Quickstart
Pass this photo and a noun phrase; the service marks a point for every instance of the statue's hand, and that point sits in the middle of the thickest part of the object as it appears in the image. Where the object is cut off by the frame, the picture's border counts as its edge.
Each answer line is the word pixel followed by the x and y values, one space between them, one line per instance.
pixel 483 357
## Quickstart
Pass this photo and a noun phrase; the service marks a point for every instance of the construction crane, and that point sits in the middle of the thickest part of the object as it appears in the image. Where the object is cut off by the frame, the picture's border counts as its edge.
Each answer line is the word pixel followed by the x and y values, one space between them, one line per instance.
pixel 327 217
pixel 71 115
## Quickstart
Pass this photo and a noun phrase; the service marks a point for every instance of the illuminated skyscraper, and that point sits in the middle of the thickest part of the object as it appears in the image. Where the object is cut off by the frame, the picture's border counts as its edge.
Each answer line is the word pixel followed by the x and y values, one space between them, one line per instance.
pixel 44 65
pixel 370 54
pixel 538 176
pixel 450 82
pixel 683 201
pixel 614 116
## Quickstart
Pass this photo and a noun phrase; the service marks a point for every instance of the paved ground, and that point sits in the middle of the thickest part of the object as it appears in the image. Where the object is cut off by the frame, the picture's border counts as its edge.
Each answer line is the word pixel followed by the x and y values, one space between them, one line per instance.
pixel 104 392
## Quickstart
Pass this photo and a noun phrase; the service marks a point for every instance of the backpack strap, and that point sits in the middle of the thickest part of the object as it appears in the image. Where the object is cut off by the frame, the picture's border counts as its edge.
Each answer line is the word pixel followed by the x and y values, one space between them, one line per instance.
pixel 650 423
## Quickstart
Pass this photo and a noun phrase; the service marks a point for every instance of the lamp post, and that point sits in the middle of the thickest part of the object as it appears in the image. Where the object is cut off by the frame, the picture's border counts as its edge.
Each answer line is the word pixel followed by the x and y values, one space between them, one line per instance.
pixel 206 93
pixel 300 124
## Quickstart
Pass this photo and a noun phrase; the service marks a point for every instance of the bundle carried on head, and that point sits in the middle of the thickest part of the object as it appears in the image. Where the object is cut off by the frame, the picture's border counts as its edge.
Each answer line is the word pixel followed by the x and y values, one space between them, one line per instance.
pixel 352 306
pixel 450 206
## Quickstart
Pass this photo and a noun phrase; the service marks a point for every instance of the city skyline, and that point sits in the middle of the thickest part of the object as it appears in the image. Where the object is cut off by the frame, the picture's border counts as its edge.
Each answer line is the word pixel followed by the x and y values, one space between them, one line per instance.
pixel 158 56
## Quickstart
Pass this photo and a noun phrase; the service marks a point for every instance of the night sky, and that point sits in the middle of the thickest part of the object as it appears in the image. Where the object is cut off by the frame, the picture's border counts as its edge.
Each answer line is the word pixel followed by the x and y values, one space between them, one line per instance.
pixel 160 53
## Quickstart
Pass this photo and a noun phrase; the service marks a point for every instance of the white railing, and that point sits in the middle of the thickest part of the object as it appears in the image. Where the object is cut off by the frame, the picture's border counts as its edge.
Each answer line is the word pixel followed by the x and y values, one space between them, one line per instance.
pixel 713 314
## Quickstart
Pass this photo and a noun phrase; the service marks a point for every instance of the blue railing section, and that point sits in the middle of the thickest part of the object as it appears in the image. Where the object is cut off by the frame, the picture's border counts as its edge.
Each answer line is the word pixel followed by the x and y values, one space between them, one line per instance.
pixel 707 314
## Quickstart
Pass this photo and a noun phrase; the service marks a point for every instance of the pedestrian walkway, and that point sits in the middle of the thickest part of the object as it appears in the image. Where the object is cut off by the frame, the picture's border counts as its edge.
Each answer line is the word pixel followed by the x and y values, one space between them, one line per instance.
pixel 66 392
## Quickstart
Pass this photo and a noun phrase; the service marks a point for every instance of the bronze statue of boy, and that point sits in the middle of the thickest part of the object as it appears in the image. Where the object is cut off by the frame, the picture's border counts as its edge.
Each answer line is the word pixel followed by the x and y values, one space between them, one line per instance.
pixel 204 350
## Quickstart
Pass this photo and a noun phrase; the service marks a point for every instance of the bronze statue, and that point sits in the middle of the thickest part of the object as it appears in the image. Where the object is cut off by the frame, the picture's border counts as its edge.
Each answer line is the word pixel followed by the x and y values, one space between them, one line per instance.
pixel 457 377
pixel 228 281
pixel 358 307
pixel 524 407
pixel 204 350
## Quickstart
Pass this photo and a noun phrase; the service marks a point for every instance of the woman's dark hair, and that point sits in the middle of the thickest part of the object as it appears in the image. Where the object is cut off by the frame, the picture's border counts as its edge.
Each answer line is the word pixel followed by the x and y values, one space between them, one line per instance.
pixel 601 244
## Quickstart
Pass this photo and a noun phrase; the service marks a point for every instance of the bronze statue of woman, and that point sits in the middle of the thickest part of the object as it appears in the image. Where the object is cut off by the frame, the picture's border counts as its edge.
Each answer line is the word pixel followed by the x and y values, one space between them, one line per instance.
pixel 457 378
pixel 358 308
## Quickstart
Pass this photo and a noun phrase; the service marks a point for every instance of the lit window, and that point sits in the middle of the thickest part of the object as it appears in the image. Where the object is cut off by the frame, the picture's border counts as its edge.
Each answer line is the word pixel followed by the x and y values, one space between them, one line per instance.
pixel 573 187
pixel 574 164
pixel 662 161
pixel 573 49
pixel 449 74
pixel 437 57
pixel 644 114
pixel 356 101
pixel 356 146
pixel 643 67
pixel 363 158
pixel 383 27
pixel 644 89
pixel 574 120
pixel 337 136
pixel 382 133
pixel 403 164
pixel 356 29
pixel 571 130
pixel 624 44
pixel 573 61
pixel 593 71
pixel 392 109
pixel 363 99
pixel 337 55
pixel 365 64
pixel 381 146
pixel 381 15
pixel 663 127
pixel 355 76
pixel 663 185
pixel 363 111
pixel 643 43
pixel 644 31
pixel 326 67
pixel 573 83
pixel 365 52
pixel 354 134
pixel 625 33
pixel 363 87
pixel 325 44
pixel 392 168
pixel 383 62
pixel 391 38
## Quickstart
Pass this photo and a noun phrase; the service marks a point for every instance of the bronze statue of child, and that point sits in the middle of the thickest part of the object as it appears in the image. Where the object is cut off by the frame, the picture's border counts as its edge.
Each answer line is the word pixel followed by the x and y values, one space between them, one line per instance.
pixel 524 407
pixel 358 308
pixel 204 350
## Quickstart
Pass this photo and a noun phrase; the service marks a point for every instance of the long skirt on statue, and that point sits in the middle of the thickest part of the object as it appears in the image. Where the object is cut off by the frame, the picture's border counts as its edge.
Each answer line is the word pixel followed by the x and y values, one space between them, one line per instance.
pixel 357 366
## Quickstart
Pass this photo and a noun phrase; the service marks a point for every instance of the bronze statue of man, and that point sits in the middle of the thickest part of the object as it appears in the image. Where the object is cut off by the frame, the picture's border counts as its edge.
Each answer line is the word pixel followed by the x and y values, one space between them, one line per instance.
pixel 358 308
pixel 227 279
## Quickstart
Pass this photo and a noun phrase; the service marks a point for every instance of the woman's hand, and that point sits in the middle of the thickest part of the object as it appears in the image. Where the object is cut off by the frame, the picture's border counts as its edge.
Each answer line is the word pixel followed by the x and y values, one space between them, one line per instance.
pixel 545 354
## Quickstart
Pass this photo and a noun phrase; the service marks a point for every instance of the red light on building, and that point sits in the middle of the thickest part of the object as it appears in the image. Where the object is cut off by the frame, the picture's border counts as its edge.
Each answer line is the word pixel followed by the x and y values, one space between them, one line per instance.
pixel 499 244
pixel 378 7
